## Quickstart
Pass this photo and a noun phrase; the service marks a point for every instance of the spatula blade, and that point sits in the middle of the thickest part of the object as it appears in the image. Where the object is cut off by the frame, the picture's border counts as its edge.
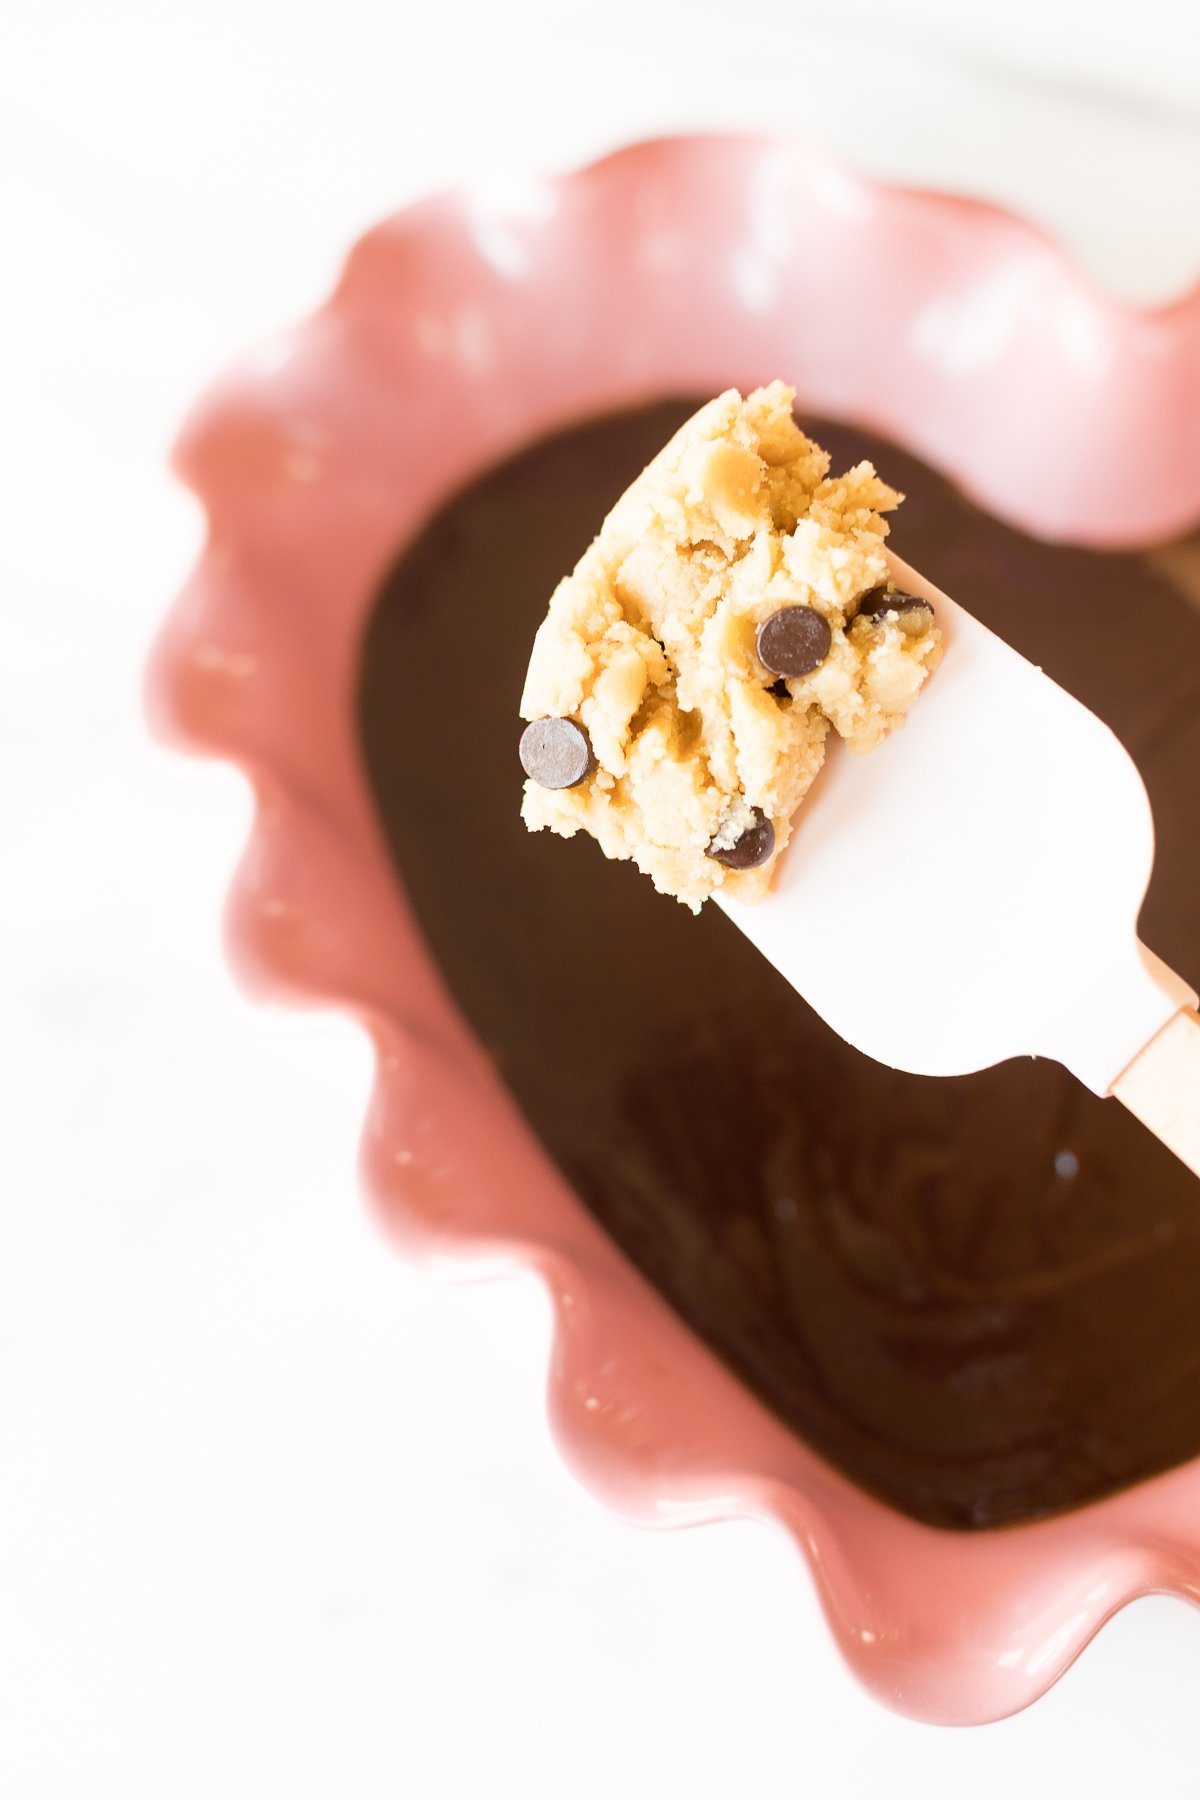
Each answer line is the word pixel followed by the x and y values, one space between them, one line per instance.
pixel 970 890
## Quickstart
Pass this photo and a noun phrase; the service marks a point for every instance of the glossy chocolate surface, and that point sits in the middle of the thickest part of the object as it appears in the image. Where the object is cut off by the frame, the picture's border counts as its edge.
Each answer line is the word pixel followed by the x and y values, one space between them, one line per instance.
pixel 980 1298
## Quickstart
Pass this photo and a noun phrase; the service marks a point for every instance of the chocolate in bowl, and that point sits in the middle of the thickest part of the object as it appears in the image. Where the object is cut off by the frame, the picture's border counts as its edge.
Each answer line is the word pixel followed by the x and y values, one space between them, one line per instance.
pixel 979 1297
pixel 435 357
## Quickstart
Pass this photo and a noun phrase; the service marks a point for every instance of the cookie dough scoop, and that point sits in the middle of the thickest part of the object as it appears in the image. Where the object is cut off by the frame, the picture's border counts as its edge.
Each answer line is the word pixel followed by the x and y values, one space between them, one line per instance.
pixel 972 892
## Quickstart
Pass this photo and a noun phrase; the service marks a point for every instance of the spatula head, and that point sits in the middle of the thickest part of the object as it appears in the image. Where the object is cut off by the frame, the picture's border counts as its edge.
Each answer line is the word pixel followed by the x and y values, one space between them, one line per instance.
pixel 970 890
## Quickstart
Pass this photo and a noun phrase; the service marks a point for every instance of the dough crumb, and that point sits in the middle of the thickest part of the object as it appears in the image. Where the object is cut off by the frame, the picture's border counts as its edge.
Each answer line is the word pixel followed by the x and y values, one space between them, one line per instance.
pixel 735 606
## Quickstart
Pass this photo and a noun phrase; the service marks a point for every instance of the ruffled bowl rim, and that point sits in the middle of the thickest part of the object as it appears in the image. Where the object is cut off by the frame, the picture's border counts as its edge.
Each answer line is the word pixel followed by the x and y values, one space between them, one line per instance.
pixel 460 329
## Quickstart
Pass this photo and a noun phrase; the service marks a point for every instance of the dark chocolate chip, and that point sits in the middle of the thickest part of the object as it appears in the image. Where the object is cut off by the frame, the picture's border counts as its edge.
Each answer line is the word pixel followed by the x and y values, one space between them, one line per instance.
pixel 883 600
pixel 753 847
pixel 556 753
pixel 794 641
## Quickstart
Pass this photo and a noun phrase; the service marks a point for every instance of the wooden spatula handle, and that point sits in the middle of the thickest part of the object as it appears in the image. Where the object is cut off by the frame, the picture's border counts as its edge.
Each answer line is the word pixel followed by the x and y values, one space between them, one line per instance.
pixel 1161 1087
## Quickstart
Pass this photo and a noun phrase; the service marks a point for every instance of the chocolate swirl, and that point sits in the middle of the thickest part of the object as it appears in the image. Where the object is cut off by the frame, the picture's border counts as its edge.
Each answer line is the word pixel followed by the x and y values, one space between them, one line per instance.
pixel 981 1297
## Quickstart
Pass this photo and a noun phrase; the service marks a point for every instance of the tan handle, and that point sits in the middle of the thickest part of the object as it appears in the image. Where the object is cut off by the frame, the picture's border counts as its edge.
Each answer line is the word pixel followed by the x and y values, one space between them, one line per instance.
pixel 1161 1087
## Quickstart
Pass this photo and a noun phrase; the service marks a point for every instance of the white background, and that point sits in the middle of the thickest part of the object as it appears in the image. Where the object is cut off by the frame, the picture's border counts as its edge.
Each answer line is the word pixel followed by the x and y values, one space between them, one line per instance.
pixel 276 1515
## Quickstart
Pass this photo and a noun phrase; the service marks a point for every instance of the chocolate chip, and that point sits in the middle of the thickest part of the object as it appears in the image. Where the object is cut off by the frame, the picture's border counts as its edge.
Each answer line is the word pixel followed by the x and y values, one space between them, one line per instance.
pixel 753 846
pixel 556 753
pixel 794 641
pixel 883 600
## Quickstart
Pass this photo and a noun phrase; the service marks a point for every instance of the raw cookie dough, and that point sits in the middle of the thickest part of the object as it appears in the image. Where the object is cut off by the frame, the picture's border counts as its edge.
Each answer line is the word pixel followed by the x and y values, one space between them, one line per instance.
pixel 693 750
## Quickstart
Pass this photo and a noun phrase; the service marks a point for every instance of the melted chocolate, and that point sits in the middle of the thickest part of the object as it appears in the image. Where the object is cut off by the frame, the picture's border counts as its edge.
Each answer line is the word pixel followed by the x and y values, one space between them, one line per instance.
pixel 980 1297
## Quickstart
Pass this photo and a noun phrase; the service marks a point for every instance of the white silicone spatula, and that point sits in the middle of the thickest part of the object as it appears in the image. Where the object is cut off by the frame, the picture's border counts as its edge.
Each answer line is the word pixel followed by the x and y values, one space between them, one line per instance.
pixel 970 891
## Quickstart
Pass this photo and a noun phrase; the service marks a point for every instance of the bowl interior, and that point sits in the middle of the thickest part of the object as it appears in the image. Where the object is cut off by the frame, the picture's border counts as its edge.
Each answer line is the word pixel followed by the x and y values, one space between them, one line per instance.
pixel 461 330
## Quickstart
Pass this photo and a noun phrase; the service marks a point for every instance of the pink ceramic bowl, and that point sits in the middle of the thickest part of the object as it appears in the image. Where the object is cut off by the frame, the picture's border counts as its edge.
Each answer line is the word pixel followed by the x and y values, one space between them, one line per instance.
pixel 462 328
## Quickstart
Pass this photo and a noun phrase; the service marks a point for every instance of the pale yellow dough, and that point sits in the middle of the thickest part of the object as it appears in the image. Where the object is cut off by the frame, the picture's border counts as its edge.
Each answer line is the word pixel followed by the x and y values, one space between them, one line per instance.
pixel 650 645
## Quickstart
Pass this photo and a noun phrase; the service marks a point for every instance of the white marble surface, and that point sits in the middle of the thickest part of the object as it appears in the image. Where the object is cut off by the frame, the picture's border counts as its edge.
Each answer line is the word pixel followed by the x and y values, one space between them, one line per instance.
pixel 276 1515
